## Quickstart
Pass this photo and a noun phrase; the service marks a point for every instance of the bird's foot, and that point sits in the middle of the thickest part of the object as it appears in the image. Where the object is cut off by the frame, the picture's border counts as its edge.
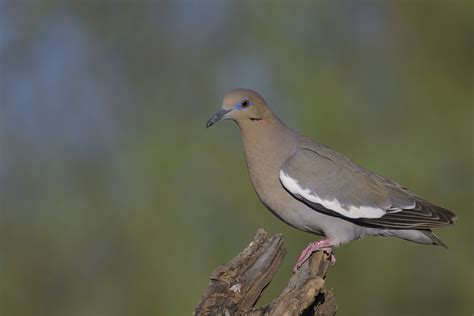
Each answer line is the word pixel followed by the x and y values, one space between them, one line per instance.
pixel 324 245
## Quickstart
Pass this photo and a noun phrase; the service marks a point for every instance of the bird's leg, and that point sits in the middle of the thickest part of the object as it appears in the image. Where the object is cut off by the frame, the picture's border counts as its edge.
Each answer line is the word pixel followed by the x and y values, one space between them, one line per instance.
pixel 324 245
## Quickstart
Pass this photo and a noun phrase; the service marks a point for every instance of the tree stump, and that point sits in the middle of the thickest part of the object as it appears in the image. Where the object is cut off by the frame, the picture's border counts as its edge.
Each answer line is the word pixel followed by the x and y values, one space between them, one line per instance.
pixel 235 287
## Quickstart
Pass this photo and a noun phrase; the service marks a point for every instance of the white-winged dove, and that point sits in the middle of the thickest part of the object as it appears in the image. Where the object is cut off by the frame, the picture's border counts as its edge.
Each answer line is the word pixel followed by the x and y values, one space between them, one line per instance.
pixel 318 190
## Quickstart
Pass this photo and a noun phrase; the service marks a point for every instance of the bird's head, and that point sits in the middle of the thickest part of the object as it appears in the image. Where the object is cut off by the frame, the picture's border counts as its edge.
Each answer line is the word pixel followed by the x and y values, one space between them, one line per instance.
pixel 241 105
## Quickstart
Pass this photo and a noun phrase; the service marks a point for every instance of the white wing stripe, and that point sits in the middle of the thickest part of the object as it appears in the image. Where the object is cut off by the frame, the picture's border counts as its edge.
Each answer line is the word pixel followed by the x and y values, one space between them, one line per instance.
pixel 352 212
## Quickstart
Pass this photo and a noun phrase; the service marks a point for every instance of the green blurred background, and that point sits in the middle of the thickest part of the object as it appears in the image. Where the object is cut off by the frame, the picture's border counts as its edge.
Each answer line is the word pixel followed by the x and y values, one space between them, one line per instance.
pixel 115 200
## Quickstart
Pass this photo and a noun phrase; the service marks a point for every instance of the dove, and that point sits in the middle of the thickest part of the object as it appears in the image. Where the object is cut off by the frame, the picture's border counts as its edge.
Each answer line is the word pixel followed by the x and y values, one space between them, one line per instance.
pixel 319 190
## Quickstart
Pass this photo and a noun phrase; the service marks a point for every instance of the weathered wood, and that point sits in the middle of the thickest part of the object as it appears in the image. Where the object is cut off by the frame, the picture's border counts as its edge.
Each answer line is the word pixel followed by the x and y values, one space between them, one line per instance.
pixel 235 287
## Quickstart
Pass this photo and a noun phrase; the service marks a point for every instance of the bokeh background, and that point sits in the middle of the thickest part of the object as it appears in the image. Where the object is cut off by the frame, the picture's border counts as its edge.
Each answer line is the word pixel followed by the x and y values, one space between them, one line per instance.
pixel 115 200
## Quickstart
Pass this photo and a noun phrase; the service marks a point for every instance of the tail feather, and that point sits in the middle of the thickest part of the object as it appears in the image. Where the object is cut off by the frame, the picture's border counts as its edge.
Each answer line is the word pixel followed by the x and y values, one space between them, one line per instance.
pixel 434 238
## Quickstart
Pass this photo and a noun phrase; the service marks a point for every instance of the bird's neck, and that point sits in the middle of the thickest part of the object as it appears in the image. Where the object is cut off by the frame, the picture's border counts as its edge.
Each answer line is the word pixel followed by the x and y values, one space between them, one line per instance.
pixel 262 135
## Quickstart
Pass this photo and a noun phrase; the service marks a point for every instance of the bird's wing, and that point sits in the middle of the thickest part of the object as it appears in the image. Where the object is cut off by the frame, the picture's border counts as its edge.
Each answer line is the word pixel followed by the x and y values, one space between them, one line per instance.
pixel 331 183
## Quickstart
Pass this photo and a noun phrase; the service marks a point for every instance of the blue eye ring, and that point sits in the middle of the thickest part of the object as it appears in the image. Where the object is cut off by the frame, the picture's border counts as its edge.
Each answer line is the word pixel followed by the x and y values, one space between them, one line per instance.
pixel 243 104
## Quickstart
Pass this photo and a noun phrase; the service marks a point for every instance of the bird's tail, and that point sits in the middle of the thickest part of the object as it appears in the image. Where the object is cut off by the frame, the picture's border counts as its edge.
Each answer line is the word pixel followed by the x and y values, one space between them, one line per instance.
pixel 434 238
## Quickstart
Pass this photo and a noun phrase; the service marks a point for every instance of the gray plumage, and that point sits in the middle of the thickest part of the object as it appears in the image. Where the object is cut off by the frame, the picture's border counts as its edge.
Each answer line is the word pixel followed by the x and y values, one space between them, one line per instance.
pixel 318 190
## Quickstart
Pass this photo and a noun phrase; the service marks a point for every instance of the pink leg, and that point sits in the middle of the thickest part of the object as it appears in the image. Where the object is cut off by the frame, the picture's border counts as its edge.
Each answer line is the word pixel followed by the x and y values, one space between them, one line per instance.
pixel 324 244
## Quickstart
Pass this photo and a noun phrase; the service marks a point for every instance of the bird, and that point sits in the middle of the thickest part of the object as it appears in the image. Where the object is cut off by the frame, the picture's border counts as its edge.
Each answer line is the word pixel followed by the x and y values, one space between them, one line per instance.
pixel 321 191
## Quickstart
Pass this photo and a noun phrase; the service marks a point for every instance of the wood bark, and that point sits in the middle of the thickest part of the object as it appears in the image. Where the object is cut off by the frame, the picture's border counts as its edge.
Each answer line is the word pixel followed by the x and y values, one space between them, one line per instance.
pixel 234 288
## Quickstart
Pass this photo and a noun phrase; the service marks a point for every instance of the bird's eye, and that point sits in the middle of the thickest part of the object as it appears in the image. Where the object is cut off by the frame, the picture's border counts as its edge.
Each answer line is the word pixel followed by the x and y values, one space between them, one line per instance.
pixel 245 103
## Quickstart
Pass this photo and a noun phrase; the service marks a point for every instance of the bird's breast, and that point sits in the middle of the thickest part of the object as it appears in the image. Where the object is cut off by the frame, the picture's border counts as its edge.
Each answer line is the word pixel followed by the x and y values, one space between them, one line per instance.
pixel 264 160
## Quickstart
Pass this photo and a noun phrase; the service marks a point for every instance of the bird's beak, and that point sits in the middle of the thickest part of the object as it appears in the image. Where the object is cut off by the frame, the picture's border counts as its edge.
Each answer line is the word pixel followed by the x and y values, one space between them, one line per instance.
pixel 217 117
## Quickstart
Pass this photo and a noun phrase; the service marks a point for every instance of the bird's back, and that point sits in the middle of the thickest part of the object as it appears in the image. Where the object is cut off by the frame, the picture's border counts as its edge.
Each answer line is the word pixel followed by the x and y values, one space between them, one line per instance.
pixel 347 179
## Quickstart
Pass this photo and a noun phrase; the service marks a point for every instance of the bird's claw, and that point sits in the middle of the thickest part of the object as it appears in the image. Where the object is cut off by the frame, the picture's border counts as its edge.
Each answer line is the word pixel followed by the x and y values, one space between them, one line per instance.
pixel 324 245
